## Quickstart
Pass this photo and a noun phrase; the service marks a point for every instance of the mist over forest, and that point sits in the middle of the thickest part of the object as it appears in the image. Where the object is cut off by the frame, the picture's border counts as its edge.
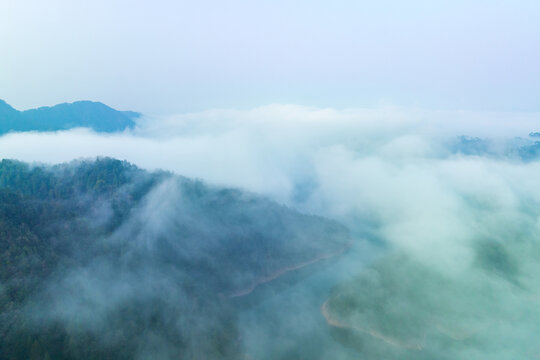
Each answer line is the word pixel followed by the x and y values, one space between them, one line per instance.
pixel 269 180
pixel 280 232
pixel 104 260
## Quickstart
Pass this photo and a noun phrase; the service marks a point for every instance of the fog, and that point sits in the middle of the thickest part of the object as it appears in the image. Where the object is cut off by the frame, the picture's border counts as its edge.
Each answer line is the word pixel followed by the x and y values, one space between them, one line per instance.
pixel 421 206
pixel 272 149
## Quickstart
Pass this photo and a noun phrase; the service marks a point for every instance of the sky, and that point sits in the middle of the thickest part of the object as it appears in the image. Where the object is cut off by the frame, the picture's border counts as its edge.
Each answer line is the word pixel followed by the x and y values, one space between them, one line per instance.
pixel 167 57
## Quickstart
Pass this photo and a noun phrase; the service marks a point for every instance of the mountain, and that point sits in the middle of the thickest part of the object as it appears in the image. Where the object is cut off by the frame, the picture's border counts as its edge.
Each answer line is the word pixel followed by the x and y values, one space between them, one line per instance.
pixel 403 308
pixel 522 149
pixel 94 115
pixel 102 260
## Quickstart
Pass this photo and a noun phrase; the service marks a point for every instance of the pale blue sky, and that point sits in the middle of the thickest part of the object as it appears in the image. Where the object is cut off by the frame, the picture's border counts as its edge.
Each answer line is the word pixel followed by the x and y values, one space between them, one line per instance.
pixel 167 56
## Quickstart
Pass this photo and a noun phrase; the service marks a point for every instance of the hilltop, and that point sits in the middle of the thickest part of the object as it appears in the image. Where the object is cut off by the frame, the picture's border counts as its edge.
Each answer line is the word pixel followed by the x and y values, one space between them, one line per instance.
pixel 94 115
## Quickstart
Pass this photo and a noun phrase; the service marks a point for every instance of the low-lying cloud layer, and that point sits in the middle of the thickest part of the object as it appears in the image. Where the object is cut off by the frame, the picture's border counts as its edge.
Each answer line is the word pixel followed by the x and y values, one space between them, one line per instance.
pixel 273 148
pixel 403 178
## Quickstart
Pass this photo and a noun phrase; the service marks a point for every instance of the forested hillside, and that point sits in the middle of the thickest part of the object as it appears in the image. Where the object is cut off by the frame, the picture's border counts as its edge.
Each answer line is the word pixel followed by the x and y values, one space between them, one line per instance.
pixel 102 260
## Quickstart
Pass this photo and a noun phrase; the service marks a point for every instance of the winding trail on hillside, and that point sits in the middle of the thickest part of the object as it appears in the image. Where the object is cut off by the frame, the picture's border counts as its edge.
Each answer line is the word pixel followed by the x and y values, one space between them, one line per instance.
pixel 333 322
pixel 248 290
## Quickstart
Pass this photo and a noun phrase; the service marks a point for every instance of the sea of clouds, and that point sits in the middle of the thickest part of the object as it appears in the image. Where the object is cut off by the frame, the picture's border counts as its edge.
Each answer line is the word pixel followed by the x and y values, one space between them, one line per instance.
pixel 402 178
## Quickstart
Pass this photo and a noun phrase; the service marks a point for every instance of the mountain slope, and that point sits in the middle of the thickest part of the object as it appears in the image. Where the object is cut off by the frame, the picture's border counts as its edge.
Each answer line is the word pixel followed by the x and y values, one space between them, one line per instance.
pixel 401 308
pixel 94 115
pixel 100 259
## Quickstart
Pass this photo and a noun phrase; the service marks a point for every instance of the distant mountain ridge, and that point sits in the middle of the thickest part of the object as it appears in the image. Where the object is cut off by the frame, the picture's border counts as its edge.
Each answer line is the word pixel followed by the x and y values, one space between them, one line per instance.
pixel 94 115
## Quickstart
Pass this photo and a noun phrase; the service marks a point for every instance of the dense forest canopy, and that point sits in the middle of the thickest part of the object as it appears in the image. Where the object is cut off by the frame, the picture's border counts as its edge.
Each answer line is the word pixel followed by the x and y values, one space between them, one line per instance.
pixel 100 259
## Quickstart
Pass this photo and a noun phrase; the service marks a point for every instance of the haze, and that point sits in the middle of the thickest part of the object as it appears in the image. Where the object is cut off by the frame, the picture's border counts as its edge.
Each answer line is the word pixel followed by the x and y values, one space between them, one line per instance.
pixel 164 56
pixel 328 180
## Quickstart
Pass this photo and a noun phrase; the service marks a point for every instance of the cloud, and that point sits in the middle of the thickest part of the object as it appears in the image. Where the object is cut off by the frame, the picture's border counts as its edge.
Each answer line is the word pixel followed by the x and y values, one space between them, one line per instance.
pixel 268 149
pixel 400 177
pixel 396 170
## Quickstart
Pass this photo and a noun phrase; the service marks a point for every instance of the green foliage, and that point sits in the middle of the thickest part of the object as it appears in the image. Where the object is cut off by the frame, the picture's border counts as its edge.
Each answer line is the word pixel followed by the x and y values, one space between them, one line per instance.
pixel 101 260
